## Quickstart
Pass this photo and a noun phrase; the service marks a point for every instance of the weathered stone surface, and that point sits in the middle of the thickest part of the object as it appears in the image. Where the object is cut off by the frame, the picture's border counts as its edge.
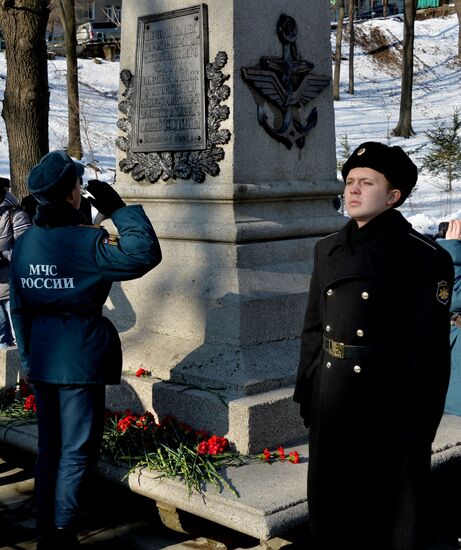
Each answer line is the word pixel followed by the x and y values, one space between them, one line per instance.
pixel 224 310
pixel 271 498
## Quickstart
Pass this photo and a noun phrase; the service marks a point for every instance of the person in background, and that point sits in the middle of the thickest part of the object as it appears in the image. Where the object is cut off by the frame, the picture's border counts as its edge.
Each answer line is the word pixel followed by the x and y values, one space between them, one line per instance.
pixel 452 244
pixel 13 222
pixel 374 363
pixel 61 273
pixel 29 205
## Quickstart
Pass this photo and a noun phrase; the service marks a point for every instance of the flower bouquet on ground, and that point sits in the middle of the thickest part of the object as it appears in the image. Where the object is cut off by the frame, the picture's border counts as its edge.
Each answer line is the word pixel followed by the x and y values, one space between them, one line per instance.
pixel 18 402
pixel 142 373
pixel 175 449
pixel 171 448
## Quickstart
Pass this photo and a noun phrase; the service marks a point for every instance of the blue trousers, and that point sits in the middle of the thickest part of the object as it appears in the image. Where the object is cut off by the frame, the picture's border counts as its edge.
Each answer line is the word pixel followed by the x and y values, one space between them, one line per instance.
pixel 453 400
pixel 70 427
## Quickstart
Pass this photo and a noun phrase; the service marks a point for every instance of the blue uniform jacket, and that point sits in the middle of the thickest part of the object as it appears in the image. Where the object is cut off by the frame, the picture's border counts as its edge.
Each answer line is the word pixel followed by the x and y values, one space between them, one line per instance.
pixel 453 401
pixel 61 275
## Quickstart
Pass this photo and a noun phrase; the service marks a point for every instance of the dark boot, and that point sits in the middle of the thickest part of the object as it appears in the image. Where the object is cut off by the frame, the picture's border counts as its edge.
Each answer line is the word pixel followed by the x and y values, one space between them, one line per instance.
pixel 66 539
pixel 58 539
pixel 46 540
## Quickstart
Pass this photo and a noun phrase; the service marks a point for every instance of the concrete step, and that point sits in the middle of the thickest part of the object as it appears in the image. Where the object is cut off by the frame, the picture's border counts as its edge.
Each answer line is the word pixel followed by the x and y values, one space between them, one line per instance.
pixel 271 497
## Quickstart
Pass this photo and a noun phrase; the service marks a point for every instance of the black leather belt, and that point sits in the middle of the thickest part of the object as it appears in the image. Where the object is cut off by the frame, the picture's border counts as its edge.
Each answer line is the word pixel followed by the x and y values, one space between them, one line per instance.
pixel 344 351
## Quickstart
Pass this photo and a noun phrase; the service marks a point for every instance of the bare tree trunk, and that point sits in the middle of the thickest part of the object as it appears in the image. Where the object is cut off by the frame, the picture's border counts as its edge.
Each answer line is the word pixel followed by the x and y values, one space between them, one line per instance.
pixel 458 11
pixel 74 143
pixel 404 127
pixel 351 45
pixel 339 39
pixel 26 100
pixel 385 8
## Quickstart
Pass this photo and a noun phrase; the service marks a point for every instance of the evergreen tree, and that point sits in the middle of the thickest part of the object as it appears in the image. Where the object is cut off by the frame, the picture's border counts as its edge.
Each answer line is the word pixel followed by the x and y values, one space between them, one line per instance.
pixel 445 155
pixel 345 151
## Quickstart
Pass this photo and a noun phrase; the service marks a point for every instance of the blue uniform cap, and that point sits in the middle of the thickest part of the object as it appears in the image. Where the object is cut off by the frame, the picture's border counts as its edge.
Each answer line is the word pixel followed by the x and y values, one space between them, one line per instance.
pixel 54 171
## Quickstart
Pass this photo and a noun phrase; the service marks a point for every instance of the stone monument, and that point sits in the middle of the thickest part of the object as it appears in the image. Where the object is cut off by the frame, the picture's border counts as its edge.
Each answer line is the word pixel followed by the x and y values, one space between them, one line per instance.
pixel 227 140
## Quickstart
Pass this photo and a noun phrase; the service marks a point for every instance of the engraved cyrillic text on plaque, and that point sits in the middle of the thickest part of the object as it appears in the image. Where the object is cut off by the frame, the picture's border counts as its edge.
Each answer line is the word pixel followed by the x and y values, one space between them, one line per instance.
pixel 169 102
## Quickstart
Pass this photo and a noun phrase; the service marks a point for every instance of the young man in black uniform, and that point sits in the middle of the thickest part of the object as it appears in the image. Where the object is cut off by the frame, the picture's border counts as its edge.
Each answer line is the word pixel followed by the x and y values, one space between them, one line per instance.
pixel 375 363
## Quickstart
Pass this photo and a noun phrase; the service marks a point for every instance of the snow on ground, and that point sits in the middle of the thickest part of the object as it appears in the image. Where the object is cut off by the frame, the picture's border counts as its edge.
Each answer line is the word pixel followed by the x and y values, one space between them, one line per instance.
pixel 98 108
pixel 370 114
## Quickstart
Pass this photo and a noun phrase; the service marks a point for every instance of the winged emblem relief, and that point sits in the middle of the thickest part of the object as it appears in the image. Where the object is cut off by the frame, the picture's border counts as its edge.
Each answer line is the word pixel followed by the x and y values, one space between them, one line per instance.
pixel 287 83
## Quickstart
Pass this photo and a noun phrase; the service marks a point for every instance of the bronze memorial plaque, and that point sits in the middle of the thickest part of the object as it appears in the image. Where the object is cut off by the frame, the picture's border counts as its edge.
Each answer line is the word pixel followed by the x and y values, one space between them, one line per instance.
pixel 169 96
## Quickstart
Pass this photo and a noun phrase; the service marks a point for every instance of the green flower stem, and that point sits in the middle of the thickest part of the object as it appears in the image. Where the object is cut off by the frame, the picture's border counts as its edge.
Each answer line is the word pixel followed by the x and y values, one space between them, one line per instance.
pixel 169 448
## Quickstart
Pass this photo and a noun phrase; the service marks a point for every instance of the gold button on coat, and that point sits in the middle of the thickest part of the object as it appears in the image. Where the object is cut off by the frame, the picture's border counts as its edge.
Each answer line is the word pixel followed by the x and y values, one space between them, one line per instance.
pixel 328 365
pixel 329 292
pixel 328 328
pixel 365 295
pixel 360 332
pixel 357 369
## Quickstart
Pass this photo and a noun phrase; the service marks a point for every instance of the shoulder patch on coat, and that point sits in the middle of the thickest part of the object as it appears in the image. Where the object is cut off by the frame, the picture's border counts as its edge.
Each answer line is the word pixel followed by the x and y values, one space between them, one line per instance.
pixel 443 292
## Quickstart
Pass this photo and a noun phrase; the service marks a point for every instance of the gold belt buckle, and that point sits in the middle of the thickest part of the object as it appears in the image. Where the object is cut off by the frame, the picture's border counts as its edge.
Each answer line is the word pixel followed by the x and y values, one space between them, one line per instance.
pixel 336 349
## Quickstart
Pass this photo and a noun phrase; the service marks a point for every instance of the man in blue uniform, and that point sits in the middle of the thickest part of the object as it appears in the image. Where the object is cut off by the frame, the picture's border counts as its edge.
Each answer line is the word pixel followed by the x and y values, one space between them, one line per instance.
pixel 452 244
pixel 61 274
pixel 375 363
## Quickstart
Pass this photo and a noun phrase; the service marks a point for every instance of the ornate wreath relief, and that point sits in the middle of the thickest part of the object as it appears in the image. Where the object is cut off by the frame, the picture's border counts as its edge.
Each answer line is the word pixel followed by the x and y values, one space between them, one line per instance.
pixel 184 164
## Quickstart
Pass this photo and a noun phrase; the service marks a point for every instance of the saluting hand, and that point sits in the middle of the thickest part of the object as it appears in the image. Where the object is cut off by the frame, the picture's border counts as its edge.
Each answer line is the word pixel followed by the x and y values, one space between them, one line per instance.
pixel 454 230
pixel 104 198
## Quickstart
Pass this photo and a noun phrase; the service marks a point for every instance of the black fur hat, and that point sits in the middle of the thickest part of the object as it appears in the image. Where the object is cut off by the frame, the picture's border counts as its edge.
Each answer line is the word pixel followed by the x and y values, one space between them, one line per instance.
pixel 399 170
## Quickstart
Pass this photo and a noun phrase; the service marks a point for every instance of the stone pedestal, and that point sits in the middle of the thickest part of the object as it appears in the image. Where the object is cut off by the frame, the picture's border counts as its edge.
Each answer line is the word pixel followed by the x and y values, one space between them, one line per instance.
pixel 218 322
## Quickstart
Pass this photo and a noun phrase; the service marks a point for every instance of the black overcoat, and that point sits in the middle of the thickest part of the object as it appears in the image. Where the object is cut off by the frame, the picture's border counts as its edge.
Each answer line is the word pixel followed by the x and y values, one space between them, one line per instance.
pixel 383 289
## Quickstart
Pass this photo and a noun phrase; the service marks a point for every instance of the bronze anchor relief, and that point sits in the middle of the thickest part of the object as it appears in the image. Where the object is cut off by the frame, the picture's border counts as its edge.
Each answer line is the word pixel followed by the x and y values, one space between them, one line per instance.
pixel 287 84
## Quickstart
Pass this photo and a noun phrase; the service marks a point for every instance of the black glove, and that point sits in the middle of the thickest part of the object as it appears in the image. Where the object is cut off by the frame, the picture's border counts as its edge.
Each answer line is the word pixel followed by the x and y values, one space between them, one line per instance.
pixel 106 200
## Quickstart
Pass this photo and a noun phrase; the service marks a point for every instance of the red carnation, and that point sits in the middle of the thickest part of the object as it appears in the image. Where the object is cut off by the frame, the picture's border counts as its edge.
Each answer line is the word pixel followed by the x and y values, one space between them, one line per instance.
pixel 294 457
pixel 281 453
pixel 124 423
pixel 217 445
pixel 141 372
pixel 202 448
pixel 214 446
pixel 30 404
